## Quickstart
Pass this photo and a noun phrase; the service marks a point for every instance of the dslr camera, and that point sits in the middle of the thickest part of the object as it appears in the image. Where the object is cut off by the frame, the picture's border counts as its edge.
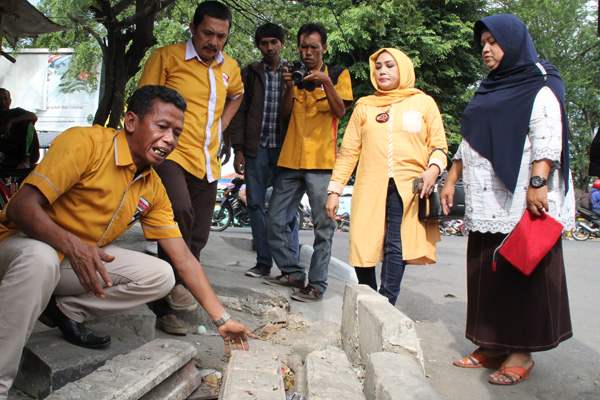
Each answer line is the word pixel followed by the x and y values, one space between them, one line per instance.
pixel 298 71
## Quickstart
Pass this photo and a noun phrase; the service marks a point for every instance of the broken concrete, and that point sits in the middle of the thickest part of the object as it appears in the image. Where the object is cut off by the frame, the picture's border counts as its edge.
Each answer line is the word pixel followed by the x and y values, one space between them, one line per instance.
pixel 253 375
pixel 321 335
pixel 139 320
pixel 371 324
pixel 330 376
pixel 132 376
pixel 391 376
pixel 49 362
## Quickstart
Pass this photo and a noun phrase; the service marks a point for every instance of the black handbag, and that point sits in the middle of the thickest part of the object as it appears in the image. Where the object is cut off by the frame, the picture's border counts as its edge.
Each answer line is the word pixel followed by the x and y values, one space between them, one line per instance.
pixel 430 207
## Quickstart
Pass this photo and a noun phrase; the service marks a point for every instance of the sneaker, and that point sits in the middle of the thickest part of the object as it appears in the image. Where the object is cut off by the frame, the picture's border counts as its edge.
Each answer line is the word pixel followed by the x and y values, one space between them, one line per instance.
pixel 180 299
pixel 259 271
pixel 170 324
pixel 285 280
pixel 308 294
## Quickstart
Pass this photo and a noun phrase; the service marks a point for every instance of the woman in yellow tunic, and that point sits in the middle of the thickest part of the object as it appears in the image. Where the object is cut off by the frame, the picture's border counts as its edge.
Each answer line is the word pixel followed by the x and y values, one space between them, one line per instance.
pixel 392 132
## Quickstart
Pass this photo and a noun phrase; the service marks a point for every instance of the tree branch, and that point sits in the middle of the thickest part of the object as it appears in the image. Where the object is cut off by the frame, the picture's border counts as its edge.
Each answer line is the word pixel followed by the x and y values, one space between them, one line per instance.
pixel 89 30
pixel 146 11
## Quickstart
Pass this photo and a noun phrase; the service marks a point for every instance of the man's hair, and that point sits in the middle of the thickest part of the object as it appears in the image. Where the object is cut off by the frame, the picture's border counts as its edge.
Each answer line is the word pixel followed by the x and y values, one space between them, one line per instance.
pixel 5 90
pixel 213 9
pixel 269 30
pixel 142 101
pixel 313 27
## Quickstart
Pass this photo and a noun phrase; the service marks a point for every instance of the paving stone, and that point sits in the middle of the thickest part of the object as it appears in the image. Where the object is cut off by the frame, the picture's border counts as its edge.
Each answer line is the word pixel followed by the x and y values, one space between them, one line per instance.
pixel 178 386
pixel 382 327
pixel 140 320
pixel 49 362
pixel 353 294
pixel 131 376
pixel 320 335
pixel 254 374
pixel 330 376
pixel 390 376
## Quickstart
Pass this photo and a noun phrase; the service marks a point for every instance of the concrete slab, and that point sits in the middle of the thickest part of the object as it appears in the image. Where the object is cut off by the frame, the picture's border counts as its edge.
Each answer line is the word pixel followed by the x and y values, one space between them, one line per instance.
pixel 49 362
pixel 178 386
pixel 253 375
pixel 390 376
pixel 131 376
pixel 140 320
pixel 329 376
pixel 320 335
pixel 382 327
pixel 353 294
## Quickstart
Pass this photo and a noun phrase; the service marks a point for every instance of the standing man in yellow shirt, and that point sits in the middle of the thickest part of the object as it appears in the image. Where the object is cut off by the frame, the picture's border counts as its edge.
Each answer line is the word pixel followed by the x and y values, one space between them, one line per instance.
pixel 316 102
pixel 210 81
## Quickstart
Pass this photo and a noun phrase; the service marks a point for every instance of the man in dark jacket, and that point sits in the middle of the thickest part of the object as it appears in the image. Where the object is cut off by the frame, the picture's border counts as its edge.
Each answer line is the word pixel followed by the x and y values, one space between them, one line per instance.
pixel 257 133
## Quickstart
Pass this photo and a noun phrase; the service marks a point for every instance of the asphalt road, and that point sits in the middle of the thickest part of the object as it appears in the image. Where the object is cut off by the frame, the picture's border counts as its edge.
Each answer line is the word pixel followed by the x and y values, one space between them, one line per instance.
pixel 434 297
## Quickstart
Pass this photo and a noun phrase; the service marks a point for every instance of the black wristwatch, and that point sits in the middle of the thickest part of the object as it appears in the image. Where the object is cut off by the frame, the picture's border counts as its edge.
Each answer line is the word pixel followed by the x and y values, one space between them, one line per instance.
pixel 537 182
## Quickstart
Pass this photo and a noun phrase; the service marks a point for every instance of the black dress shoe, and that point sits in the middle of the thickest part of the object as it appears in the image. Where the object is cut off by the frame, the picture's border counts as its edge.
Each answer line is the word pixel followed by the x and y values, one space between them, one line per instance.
pixel 74 332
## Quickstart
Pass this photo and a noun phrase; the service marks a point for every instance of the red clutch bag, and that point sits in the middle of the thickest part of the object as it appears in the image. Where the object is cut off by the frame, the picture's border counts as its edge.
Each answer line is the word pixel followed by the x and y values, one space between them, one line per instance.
pixel 529 242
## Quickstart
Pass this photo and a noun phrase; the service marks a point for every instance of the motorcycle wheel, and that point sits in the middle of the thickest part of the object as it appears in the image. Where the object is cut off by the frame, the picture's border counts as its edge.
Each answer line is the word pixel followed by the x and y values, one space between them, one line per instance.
pixel 222 217
pixel 579 233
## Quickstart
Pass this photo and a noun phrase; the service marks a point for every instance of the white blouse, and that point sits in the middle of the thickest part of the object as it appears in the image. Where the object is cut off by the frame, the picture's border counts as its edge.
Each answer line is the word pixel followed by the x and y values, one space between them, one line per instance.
pixel 490 206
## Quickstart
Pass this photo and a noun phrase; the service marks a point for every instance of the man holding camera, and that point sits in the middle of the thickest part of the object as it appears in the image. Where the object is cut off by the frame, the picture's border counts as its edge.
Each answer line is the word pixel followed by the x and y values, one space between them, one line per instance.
pixel 316 97
pixel 257 133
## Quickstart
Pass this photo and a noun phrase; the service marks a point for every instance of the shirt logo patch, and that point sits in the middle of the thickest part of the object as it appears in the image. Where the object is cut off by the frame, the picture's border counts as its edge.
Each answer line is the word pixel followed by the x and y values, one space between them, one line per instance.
pixel 225 79
pixel 143 205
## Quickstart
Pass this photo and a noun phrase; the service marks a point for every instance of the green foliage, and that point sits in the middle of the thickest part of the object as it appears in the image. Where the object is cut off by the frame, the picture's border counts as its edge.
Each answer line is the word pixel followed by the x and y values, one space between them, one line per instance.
pixel 565 33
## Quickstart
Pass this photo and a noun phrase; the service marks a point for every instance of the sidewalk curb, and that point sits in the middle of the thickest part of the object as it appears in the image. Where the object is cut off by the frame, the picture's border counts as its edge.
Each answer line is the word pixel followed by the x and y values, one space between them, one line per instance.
pixel 337 269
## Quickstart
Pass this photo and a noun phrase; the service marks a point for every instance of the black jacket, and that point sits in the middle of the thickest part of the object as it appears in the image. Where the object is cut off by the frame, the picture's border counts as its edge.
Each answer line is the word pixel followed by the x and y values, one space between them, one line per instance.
pixel 245 127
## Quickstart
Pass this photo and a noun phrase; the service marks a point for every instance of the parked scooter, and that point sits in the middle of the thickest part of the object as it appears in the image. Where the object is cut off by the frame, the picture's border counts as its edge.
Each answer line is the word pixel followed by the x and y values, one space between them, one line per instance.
pixel 229 207
pixel 587 224
pixel 454 227
pixel 343 222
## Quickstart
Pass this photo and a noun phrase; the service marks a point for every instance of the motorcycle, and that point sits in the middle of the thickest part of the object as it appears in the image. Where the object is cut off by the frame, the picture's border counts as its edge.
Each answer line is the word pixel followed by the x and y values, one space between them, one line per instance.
pixel 454 227
pixel 587 224
pixel 230 208
pixel 343 222
pixel 231 211
pixel 304 218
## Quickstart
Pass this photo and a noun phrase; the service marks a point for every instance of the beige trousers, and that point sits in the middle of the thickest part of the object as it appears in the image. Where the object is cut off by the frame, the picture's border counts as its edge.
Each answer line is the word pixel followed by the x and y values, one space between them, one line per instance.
pixel 30 273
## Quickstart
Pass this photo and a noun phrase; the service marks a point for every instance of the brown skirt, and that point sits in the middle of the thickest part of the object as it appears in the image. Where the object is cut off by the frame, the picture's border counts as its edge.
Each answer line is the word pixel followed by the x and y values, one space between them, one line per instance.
pixel 510 311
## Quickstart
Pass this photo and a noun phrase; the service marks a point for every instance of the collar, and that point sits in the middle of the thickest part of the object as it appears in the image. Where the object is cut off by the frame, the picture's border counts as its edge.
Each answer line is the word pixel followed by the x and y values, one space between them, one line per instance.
pixel 266 66
pixel 123 153
pixel 190 52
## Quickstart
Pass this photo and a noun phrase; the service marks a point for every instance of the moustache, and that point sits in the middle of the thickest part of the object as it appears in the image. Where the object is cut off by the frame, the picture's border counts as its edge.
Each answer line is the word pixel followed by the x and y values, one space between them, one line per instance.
pixel 208 47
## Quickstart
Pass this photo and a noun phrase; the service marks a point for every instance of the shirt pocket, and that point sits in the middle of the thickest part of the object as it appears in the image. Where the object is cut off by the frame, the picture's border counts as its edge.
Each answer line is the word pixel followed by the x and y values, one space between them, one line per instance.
pixel 411 121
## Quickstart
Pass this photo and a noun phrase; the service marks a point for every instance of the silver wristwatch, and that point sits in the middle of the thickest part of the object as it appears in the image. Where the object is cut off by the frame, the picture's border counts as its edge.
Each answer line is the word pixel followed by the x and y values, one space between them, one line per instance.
pixel 537 182
pixel 221 321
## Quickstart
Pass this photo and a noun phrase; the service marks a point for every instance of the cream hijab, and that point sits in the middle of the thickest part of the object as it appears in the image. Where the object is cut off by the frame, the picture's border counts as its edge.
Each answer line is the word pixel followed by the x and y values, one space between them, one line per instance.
pixel 406 86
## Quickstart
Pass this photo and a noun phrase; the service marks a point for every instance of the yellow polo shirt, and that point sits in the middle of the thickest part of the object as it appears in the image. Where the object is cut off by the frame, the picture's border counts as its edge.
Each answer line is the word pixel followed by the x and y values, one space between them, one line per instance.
pixel 311 138
pixel 90 181
pixel 205 88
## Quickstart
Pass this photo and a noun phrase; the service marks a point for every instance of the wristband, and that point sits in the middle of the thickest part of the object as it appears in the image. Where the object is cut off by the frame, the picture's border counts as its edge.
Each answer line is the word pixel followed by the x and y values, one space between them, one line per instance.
pixel 221 321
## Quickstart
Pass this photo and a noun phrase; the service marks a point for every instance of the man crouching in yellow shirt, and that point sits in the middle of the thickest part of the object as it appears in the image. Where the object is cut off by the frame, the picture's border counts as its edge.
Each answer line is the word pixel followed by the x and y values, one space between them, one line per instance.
pixel 56 231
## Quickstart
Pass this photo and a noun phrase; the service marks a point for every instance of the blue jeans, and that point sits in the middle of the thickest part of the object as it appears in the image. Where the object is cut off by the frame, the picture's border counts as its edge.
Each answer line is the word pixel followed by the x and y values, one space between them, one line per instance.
pixel 392 267
pixel 257 176
pixel 287 194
